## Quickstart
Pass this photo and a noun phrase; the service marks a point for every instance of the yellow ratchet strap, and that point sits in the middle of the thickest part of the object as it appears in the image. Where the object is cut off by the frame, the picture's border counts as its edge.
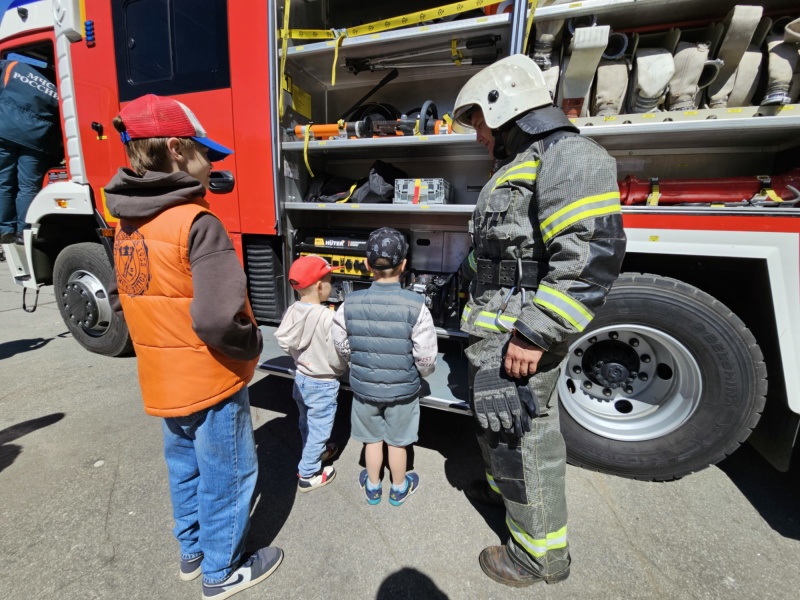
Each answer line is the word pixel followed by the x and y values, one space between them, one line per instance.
pixel 655 195
pixel 306 137
pixel 336 47
pixel 455 53
pixel 284 49
pixel 438 12
pixel 529 24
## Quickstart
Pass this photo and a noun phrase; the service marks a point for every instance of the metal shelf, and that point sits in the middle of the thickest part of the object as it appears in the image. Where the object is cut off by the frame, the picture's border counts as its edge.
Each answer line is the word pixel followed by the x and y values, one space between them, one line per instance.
pixel 316 59
pixel 435 209
pixel 773 128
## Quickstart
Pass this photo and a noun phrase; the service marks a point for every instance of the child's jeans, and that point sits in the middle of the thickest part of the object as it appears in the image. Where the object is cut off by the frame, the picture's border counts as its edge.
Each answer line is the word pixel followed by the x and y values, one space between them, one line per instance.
pixel 212 464
pixel 316 399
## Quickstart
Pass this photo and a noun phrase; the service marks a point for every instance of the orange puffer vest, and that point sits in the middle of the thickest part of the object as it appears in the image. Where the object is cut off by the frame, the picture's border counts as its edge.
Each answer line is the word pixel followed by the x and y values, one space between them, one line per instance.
pixel 179 375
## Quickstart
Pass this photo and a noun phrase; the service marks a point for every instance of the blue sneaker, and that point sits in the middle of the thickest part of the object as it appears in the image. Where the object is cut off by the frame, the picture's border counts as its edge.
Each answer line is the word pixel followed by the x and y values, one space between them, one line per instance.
pixel 190 569
pixel 373 496
pixel 412 485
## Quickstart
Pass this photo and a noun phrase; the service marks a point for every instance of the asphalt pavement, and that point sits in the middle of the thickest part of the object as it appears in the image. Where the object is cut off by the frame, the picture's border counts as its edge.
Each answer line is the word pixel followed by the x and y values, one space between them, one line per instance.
pixel 85 512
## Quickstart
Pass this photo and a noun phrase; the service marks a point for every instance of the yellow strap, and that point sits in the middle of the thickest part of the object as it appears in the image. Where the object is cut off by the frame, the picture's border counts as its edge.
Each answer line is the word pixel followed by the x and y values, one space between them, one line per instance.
pixel 455 53
pixel 394 22
pixel 772 195
pixel 346 198
pixel 306 137
pixel 655 194
pixel 529 25
pixel 336 47
pixel 284 51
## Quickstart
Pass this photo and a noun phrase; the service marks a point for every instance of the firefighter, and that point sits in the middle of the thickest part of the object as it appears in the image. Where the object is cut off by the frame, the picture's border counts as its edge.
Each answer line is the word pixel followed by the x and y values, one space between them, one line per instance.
pixel 548 244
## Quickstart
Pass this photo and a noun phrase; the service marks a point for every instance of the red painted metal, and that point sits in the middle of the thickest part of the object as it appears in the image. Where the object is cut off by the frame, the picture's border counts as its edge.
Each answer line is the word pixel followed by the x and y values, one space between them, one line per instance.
pixel 702 191
pixel 249 50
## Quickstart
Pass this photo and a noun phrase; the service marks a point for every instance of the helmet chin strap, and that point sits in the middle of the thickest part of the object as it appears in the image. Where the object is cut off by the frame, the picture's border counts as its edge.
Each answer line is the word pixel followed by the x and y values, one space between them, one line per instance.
pixel 499 149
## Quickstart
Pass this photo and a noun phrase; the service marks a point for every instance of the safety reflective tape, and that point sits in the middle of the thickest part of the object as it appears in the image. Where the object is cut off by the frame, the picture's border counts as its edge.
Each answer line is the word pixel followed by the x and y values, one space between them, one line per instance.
pixel 487 320
pixel 9 68
pixel 564 306
pixel 591 206
pixel 438 12
pixel 492 484
pixel 523 171
pixel 473 264
pixel 537 547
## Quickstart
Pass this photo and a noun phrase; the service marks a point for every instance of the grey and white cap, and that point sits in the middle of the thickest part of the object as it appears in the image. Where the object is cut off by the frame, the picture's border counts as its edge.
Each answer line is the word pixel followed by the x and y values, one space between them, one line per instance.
pixel 386 248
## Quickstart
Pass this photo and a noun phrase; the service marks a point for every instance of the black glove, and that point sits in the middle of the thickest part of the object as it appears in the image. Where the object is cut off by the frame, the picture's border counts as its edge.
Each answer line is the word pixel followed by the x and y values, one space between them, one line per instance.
pixel 501 402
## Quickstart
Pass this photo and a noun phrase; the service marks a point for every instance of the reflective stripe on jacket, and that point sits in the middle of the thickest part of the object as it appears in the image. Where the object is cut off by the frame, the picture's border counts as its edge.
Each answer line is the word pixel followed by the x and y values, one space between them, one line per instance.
pixel 178 373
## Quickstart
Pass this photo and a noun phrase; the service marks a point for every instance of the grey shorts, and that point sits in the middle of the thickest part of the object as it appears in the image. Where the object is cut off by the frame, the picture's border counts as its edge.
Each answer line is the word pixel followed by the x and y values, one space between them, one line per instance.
pixel 396 424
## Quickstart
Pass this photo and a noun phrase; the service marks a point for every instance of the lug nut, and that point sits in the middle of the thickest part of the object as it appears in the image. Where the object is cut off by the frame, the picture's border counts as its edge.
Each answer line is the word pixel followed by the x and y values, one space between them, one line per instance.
pixel 577 370
pixel 606 392
pixel 592 340
pixel 628 390
pixel 634 342
pixel 643 376
pixel 578 352
pixel 613 335
pixel 645 358
pixel 587 385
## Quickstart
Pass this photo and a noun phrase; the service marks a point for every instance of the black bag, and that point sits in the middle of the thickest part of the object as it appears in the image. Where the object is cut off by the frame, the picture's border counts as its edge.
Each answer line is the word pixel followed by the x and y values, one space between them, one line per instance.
pixel 325 187
pixel 379 186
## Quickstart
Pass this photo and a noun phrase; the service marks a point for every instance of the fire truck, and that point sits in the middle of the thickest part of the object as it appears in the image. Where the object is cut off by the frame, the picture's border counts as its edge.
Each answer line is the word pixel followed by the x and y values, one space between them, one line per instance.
pixel 338 115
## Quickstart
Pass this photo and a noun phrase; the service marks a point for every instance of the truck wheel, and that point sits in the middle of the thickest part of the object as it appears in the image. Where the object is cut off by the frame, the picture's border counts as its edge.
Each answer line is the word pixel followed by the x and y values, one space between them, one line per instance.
pixel 81 276
pixel 666 381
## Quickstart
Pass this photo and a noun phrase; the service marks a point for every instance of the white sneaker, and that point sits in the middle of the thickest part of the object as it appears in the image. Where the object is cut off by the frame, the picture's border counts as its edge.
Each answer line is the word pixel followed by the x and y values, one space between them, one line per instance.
pixel 324 477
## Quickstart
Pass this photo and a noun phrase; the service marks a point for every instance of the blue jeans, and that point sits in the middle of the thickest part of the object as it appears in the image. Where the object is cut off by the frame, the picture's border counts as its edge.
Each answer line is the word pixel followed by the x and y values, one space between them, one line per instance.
pixel 212 464
pixel 22 171
pixel 316 399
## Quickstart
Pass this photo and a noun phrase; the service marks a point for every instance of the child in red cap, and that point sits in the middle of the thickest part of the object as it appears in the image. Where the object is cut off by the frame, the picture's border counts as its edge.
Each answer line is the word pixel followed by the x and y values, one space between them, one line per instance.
pixel 184 298
pixel 305 334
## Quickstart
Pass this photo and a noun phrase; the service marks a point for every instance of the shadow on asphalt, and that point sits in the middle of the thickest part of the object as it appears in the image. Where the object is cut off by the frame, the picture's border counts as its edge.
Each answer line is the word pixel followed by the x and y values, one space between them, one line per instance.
pixel 450 434
pixel 9 452
pixel 772 493
pixel 9 349
pixel 409 584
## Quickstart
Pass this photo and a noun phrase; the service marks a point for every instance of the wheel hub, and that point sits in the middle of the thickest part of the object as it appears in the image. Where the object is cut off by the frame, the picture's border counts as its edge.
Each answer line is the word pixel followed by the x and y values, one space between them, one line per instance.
pixel 611 364
pixel 80 304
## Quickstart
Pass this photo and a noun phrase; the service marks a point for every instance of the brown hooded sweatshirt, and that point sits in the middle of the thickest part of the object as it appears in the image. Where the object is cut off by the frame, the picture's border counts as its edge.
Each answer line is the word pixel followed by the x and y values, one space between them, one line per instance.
pixel 220 314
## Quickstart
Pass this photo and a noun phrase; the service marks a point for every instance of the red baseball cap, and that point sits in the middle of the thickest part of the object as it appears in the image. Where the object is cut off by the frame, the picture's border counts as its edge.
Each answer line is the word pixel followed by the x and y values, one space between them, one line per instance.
pixel 154 116
pixel 308 270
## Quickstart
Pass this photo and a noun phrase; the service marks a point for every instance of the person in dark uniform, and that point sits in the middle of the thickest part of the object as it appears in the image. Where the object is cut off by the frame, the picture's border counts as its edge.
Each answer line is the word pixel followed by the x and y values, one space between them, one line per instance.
pixel 548 243
pixel 30 139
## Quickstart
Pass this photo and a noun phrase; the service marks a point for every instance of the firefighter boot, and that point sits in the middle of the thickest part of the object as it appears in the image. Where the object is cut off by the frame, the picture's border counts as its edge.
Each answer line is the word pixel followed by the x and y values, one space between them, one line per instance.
pixel 499 564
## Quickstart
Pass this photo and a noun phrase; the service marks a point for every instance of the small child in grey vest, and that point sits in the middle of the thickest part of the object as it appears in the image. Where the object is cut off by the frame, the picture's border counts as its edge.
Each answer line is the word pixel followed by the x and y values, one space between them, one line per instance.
pixel 387 334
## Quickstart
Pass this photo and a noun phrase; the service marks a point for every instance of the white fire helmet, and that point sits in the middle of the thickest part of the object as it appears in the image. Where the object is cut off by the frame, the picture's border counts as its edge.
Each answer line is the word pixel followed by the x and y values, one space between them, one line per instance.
pixel 503 91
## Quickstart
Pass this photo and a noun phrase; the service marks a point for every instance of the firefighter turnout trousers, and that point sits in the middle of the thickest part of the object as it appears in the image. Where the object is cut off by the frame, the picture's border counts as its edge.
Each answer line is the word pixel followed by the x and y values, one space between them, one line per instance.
pixel 528 472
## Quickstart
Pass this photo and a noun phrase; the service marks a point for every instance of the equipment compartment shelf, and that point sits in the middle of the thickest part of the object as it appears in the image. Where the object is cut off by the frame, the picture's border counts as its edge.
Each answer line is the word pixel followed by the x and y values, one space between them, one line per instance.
pixel 775 128
pixel 316 59
pixel 452 209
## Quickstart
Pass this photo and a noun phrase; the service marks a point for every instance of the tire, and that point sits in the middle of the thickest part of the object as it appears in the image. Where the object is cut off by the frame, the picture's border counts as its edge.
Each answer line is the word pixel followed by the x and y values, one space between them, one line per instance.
pixel 666 381
pixel 81 276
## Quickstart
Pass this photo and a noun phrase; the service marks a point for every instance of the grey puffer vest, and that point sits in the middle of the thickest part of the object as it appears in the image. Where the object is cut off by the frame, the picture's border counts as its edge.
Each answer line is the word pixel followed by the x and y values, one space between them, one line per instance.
pixel 379 322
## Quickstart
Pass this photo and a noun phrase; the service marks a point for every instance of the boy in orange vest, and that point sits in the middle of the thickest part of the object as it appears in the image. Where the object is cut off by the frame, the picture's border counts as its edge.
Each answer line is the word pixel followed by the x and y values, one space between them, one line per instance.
pixel 183 294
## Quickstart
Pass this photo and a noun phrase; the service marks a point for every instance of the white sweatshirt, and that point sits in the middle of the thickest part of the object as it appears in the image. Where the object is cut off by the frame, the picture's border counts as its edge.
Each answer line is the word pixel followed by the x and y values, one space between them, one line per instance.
pixel 305 335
